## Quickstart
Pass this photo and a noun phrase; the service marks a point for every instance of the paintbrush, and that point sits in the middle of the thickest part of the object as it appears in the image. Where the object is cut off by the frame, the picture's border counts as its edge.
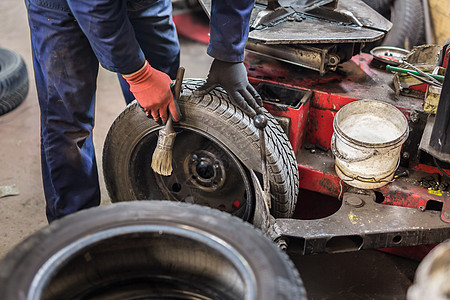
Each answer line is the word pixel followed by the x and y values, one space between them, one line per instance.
pixel 162 157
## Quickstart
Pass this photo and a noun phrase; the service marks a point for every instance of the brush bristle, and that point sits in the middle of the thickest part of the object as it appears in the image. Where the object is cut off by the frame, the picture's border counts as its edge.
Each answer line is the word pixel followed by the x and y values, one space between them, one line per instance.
pixel 162 161
pixel 162 157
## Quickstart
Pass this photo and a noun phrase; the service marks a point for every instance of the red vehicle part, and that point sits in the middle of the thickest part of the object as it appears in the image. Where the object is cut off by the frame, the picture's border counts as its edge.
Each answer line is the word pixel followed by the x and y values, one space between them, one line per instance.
pixel 446 54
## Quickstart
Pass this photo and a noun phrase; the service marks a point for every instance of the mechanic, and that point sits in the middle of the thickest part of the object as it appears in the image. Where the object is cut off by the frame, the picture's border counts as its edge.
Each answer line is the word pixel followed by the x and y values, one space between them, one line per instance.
pixel 135 38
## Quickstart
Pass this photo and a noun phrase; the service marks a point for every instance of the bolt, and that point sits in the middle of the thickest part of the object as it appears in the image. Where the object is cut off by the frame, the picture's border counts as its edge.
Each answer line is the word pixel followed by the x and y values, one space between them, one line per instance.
pixel 354 201
pixel 414 116
pixel 443 186
pixel 405 155
pixel 422 208
pixel 312 151
pixel 333 60
pixel 194 157
pixel 282 243
pixel 402 174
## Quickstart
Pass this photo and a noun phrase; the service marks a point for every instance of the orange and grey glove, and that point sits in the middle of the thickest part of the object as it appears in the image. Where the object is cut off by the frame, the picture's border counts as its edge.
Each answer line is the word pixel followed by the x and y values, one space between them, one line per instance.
pixel 232 76
pixel 151 88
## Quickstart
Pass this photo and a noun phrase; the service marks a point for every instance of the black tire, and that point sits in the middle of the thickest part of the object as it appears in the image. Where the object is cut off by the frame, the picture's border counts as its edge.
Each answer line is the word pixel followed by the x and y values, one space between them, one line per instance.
pixel 148 250
pixel 381 6
pixel 408 25
pixel 408 29
pixel 13 80
pixel 212 115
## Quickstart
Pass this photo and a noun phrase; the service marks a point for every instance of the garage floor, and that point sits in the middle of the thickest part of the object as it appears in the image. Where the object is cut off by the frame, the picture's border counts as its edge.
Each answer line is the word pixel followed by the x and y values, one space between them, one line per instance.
pixel 362 275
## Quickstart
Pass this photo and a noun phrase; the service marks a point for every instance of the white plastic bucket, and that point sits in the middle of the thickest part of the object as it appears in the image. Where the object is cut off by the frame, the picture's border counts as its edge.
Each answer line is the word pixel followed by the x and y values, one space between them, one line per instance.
pixel 367 140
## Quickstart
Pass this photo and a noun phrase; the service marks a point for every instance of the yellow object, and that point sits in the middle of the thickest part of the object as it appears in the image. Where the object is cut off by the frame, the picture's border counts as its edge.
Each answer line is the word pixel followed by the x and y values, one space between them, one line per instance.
pixel 354 219
pixel 440 17
pixel 437 193
pixel 433 94
pixel 431 100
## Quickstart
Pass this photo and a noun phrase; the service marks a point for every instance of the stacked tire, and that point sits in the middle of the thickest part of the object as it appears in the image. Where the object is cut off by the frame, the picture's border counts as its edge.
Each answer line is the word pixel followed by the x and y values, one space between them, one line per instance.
pixel 125 164
pixel 407 17
pixel 149 250
pixel 13 80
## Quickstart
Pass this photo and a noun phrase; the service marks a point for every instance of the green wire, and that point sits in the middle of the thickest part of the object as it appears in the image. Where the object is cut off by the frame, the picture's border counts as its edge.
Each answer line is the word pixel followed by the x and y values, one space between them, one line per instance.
pixel 406 71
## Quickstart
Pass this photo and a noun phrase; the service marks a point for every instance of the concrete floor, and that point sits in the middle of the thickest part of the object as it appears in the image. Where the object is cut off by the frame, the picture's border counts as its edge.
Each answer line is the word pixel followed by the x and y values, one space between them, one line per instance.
pixel 364 275
pixel 19 134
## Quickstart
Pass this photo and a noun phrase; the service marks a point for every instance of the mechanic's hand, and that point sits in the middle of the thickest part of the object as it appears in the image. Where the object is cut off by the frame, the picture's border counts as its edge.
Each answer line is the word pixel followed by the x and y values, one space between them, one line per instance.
pixel 152 90
pixel 232 76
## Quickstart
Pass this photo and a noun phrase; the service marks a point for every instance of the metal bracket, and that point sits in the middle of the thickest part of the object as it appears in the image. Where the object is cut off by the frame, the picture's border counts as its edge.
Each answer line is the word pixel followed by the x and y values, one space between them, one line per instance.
pixel 261 218
pixel 361 223
pixel 270 16
pixel 425 141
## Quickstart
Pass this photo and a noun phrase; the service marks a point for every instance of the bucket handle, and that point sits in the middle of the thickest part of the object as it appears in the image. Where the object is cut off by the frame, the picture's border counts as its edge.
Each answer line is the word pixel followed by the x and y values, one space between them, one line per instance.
pixel 336 153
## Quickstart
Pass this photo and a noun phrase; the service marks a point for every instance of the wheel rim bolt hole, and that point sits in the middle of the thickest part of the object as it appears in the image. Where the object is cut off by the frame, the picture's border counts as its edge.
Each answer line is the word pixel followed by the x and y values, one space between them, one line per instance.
pixel 176 187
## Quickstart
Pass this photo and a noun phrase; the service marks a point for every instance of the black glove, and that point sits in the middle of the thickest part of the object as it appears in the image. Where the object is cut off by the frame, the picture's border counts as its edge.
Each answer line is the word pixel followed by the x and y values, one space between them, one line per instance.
pixel 232 76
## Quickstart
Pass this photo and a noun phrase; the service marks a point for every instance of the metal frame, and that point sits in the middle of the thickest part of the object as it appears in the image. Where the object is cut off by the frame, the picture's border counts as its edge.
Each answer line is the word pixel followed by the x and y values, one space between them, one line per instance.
pixel 404 217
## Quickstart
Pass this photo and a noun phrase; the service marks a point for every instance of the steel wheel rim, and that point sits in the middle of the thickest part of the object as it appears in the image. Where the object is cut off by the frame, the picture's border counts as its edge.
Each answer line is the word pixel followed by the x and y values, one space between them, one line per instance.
pixel 224 183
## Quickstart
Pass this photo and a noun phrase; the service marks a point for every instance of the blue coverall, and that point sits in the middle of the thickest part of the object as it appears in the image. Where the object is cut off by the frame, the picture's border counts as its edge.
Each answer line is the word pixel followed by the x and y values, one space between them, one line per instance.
pixel 69 39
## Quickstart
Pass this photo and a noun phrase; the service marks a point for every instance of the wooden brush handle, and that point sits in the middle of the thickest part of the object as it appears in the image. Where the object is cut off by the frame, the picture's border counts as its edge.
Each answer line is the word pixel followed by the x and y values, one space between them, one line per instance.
pixel 168 128
pixel 178 82
pixel 176 90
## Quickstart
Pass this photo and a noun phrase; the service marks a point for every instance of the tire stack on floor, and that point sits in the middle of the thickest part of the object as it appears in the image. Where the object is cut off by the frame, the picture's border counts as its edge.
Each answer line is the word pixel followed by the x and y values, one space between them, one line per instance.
pixel 13 80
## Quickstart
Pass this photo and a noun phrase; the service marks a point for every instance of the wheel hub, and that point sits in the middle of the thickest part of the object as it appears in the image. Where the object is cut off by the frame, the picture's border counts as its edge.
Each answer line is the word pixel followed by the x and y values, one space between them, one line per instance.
pixel 204 170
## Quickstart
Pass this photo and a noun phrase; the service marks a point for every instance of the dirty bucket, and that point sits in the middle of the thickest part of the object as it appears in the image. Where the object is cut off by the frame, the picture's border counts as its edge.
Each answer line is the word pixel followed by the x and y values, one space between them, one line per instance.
pixel 368 136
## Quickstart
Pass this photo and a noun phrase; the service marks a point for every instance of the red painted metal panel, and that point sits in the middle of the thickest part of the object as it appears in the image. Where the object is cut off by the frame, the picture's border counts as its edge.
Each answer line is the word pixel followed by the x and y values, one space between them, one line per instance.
pixel 446 57
pixel 298 121
pixel 319 181
pixel 191 27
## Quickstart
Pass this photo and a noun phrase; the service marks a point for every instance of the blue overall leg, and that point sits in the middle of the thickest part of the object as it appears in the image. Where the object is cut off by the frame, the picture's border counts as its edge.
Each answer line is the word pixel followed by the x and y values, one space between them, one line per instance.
pixel 157 37
pixel 65 73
